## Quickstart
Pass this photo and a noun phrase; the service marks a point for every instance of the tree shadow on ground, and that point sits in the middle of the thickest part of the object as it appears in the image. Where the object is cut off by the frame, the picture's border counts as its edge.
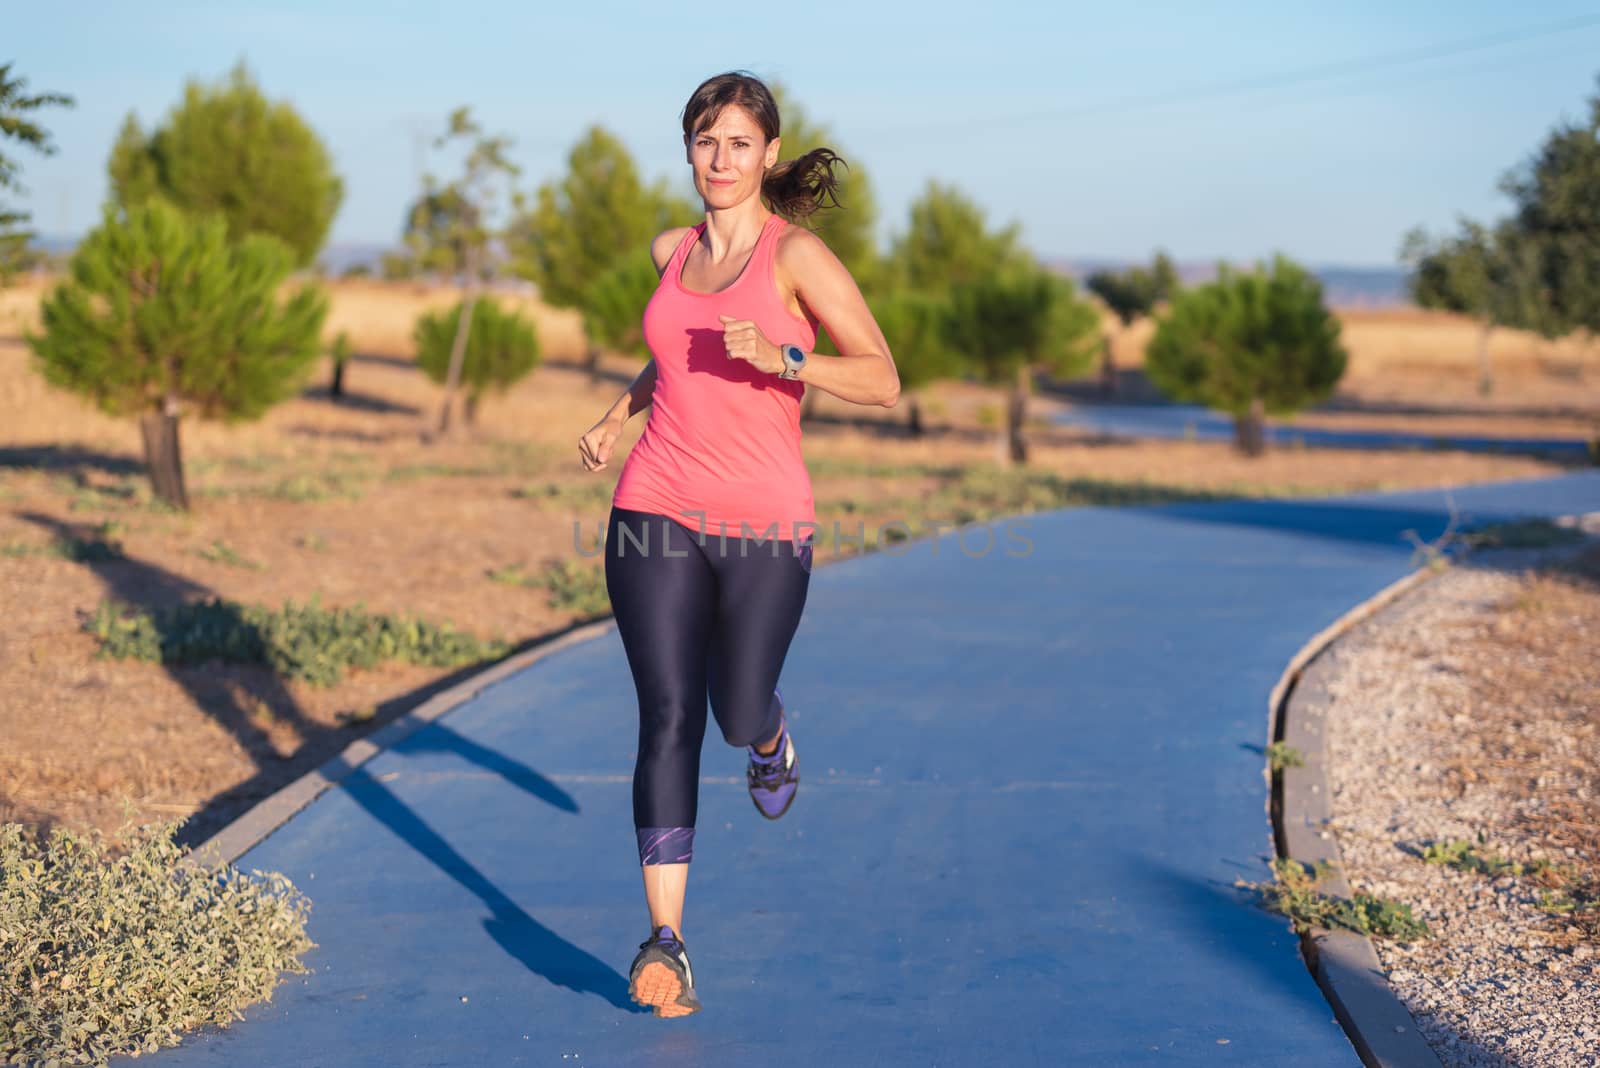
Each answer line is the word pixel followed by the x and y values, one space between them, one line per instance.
pixel 235 696
pixel 359 402
pixel 68 459
pixel 403 363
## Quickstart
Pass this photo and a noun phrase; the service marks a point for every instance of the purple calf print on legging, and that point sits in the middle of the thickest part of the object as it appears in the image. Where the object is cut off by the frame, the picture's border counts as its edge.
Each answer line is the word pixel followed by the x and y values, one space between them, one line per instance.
pixel 665 845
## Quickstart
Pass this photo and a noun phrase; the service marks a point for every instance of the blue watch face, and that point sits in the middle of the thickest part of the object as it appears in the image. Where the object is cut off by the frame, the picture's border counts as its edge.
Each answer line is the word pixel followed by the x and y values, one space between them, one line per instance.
pixel 796 353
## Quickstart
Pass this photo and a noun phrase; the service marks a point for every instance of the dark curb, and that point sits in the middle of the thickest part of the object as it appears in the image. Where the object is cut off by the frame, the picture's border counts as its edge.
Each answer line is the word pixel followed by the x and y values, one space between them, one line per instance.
pixel 250 829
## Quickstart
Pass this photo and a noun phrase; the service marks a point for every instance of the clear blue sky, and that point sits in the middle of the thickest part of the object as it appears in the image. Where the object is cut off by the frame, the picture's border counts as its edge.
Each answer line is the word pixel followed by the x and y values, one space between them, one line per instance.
pixel 1041 112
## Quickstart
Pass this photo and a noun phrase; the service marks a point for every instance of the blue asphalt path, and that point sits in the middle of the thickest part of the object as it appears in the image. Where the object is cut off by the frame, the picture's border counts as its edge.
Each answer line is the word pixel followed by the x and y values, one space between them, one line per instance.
pixel 1029 783
pixel 1174 421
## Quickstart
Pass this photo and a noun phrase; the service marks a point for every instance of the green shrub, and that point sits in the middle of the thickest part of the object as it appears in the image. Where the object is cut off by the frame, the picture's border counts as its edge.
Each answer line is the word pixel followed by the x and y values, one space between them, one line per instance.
pixel 102 956
pixel 577 588
pixel 1282 755
pixel 1465 855
pixel 307 642
pixel 502 347
pixel 1294 893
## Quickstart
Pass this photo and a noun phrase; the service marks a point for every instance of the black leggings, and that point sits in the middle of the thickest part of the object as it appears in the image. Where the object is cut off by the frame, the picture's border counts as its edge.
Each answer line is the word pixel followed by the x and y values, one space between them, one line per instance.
pixel 697 614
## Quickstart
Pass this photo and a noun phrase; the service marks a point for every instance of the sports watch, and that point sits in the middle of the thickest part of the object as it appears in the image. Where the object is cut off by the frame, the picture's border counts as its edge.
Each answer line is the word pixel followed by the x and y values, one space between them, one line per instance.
pixel 794 358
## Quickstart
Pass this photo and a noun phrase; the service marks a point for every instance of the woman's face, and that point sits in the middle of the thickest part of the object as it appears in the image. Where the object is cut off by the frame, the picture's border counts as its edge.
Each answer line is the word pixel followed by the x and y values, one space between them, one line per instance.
pixel 730 158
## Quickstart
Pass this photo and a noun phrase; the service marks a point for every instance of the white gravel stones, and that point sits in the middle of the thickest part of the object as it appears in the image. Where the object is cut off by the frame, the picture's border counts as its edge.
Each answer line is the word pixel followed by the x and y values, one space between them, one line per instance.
pixel 1500 985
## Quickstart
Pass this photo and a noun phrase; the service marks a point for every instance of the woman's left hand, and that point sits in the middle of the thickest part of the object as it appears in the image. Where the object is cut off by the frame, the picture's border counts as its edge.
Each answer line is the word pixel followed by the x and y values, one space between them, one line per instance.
pixel 745 341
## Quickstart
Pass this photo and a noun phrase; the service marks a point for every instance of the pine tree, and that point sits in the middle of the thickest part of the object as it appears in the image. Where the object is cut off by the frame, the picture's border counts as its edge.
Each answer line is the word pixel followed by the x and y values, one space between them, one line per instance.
pixel 1010 324
pixel 949 242
pixel 1557 195
pixel 163 316
pixel 16 126
pixel 503 348
pixel 1248 344
pixel 227 149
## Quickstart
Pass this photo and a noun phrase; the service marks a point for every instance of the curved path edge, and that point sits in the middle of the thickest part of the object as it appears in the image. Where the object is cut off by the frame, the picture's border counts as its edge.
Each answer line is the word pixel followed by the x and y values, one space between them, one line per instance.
pixel 256 823
pixel 1344 963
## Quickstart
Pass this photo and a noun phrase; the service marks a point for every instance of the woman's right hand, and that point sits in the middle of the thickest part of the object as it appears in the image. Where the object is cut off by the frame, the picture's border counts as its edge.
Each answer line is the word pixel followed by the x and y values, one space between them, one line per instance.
pixel 595 446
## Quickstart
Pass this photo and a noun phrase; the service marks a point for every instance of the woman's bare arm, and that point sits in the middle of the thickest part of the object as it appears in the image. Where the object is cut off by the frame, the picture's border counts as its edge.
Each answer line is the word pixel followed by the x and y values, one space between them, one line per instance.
pixel 864 372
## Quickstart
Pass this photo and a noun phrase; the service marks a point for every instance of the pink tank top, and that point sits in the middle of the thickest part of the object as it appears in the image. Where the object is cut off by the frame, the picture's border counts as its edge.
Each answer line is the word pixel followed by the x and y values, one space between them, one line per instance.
pixel 722 438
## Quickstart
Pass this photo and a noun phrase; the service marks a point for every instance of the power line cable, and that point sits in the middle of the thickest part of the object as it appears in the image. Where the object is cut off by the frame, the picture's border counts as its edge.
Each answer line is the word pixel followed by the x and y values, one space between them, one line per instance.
pixel 1278 80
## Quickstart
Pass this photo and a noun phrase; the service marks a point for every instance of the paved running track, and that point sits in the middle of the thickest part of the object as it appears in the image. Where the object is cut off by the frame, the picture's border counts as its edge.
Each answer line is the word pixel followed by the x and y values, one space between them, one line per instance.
pixel 1028 785
pixel 1168 421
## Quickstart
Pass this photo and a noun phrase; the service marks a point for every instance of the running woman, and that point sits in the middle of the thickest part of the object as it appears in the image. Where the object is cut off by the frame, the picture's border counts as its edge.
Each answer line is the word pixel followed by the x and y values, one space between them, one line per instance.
pixel 708 545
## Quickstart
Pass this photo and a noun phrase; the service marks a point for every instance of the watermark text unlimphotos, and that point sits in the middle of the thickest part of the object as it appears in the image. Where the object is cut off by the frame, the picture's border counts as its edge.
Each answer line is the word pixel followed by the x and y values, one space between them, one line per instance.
pixel 892 537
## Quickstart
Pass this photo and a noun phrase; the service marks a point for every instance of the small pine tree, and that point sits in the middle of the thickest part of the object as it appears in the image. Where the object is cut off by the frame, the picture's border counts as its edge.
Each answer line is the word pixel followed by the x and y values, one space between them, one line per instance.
pixel 502 348
pixel 1011 324
pixel 163 316
pixel 227 149
pixel 1248 344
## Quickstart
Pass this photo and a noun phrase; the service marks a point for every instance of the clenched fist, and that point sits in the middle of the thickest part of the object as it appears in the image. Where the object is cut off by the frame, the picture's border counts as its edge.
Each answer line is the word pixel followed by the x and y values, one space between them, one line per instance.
pixel 594 448
pixel 745 341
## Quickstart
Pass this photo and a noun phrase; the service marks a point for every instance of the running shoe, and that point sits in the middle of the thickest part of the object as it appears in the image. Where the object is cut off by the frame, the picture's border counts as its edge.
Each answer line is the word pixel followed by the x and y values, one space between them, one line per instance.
pixel 661 977
pixel 774 779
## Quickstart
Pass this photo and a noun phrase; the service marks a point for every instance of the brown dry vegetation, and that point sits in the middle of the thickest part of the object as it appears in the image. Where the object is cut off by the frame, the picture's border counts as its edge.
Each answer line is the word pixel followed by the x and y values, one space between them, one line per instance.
pixel 346 501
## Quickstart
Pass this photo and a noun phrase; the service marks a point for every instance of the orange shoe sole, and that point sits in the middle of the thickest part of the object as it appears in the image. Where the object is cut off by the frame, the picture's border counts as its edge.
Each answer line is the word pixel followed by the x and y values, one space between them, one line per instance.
pixel 657 986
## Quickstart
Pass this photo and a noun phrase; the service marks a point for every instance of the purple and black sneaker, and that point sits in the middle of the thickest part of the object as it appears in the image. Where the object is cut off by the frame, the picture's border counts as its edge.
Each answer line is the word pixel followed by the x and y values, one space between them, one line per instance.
pixel 774 779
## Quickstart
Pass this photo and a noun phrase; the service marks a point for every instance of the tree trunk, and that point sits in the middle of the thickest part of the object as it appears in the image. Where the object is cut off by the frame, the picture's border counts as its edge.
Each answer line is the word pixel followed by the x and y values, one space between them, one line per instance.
pixel 163 456
pixel 1017 414
pixel 469 410
pixel 1250 429
pixel 808 404
pixel 1485 378
pixel 1108 366
pixel 914 416
pixel 336 388
pixel 458 354
pixel 592 362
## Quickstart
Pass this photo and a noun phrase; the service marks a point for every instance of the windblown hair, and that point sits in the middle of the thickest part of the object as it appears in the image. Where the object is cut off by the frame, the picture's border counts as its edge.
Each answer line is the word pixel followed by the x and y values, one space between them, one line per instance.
pixel 795 188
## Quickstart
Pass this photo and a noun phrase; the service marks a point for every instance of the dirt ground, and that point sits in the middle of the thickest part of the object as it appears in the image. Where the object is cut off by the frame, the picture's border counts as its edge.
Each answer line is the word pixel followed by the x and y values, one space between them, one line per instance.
pixel 347 501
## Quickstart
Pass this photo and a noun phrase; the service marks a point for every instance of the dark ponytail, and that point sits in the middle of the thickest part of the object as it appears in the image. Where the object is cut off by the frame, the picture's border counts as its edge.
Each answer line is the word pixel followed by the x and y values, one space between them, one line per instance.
pixel 795 188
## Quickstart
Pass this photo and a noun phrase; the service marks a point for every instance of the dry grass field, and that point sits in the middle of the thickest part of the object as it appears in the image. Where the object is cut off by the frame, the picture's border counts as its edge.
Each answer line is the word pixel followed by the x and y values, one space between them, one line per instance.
pixel 347 502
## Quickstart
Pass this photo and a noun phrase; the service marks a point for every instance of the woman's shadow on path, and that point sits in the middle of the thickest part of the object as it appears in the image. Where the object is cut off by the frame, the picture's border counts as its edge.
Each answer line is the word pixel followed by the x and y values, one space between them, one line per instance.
pixel 543 952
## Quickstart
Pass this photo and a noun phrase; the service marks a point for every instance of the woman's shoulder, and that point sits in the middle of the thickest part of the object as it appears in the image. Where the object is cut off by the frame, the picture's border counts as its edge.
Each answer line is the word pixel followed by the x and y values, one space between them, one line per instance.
pixel 801 252
pixel 665 244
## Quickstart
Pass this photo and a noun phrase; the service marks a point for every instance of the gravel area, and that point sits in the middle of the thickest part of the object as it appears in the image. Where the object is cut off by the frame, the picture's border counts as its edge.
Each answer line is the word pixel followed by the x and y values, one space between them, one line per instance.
pixel 1470 709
